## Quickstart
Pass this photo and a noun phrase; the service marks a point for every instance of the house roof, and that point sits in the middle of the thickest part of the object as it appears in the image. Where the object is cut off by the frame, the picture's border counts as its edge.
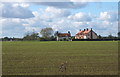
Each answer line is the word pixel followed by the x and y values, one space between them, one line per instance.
pixel 64 35
pixel 83 32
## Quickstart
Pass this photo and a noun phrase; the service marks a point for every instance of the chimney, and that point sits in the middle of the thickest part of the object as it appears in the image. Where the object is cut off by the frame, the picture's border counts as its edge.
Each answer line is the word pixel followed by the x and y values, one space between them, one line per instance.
pixel 69 32
pixel 91 28
pixel 57 32
pixel 84 29
pixel 80 29
pixel 87 29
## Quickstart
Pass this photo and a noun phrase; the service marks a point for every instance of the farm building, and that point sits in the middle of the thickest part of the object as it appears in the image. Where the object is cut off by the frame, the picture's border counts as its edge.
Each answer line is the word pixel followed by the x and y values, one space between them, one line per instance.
pixel 86 34
pixel 63 36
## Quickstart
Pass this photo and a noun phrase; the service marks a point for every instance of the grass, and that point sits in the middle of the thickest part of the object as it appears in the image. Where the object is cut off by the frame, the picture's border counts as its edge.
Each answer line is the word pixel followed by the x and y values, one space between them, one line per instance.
pixel 45 58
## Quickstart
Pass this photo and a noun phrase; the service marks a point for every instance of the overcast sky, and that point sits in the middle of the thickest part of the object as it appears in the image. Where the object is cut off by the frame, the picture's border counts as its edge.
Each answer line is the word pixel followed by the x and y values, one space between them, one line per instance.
pixel 19 18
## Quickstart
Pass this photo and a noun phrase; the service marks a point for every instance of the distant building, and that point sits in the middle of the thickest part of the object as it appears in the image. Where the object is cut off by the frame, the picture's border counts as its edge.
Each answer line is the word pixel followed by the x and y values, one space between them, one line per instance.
pixel 86 34
pixel 63 36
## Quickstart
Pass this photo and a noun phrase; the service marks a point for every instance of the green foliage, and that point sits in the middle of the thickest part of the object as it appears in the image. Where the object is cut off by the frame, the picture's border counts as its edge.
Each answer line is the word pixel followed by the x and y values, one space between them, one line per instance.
pixel 110 36
pixel 118 34
pixel 32 36
pixel 107 37
pixel 6 39
pixel 99 37
pixel 46 33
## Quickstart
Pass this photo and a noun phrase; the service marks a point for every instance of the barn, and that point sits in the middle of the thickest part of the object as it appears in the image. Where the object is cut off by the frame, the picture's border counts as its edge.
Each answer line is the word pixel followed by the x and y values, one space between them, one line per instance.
pixel 86 34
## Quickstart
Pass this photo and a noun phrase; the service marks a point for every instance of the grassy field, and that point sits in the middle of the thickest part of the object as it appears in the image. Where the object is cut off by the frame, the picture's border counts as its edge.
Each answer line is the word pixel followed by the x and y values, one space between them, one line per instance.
pixel 45 58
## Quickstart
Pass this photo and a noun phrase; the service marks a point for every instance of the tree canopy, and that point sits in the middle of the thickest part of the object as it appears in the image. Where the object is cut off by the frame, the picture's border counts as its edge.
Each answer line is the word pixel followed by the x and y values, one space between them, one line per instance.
pixel 31 36
pixel 46 32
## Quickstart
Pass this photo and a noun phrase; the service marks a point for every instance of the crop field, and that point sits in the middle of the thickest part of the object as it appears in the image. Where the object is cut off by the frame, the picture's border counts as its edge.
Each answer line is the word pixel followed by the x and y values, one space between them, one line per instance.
pixel 45 58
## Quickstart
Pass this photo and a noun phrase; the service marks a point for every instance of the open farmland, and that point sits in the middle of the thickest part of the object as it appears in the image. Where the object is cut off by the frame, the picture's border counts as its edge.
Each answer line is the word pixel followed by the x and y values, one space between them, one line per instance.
pixel 45 58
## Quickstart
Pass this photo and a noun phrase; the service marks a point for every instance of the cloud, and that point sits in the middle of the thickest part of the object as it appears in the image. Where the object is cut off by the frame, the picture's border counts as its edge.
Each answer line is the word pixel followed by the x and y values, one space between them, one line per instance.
pixel 59 0
pixel 57 12
pixel 12 27
pixel 16 11
pixel 51 14
pixel 18 27
pixel 60 18
pixel 25 5
pixel 105 28
pixel 69 5
pixel 81 17
pixel 108 16
pixel 85 0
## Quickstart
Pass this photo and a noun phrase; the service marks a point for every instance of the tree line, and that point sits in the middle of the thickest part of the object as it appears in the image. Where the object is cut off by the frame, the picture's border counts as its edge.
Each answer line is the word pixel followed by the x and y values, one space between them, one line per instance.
pixel 47 34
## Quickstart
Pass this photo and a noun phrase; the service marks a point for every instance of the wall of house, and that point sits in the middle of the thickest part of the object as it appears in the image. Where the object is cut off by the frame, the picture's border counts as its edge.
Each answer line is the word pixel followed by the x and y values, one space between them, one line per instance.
pixel 87 36
pixel 62 38
pixel 79 37
pixel 94 35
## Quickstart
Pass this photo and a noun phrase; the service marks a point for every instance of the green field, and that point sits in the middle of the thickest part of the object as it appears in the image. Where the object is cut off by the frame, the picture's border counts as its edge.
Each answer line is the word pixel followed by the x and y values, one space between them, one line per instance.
pixel 45 58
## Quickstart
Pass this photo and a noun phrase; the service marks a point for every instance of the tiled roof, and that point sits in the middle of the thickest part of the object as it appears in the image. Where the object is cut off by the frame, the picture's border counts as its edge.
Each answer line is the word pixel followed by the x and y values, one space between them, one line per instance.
pixel 64 35
pixel 83 32
pixel 87 31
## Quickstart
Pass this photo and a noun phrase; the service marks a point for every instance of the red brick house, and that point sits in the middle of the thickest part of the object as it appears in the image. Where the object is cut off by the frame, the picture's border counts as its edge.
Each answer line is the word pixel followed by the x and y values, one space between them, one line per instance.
pixel 86 34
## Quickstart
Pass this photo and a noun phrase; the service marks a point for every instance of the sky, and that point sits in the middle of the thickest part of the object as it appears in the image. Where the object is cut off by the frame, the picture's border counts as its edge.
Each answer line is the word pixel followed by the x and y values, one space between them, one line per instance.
pixel 19 18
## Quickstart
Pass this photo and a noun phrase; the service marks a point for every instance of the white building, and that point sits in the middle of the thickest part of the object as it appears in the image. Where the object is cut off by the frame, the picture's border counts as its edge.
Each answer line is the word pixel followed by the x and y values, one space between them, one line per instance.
pixel 63 36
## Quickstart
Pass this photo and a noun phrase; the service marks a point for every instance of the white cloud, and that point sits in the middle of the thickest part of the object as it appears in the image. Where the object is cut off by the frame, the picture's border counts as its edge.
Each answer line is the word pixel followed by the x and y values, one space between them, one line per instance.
pixel 31 29
pixel 81 17
pixel 57 12
pixel 57 18
pixel 25 5
pixel 19 27
pixel 59 0
pixel 69 4
pixel 105 28
pixel 50 14
pixel 12 27
pixel 108 16
pixel 16 11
